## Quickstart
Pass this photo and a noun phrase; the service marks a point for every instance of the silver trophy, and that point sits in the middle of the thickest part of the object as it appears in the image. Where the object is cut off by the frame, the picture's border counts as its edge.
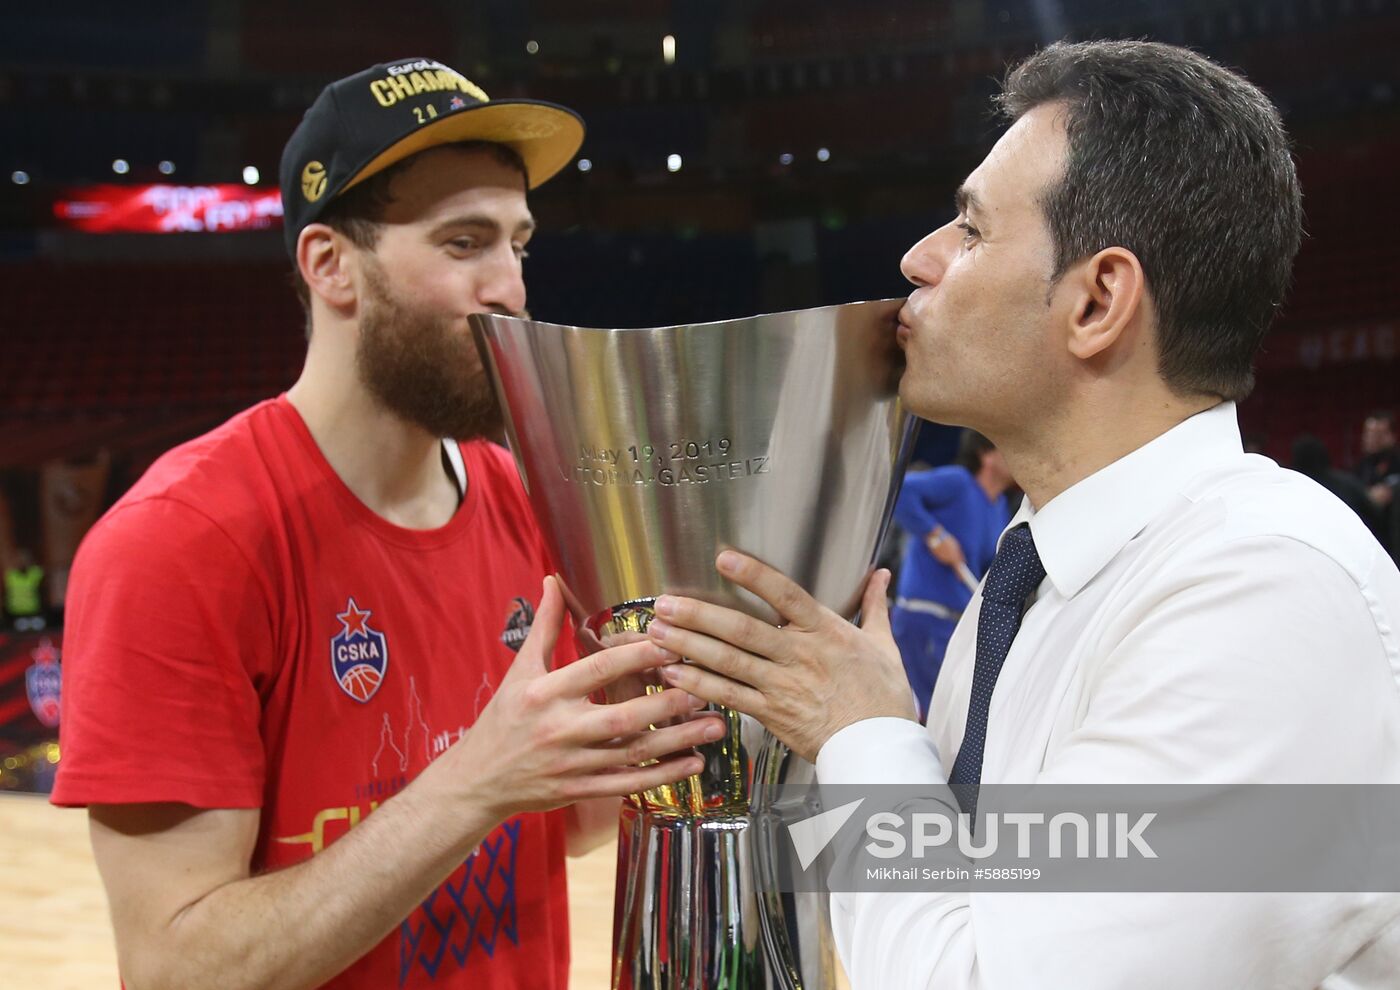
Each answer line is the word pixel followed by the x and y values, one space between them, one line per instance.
pixel 645 452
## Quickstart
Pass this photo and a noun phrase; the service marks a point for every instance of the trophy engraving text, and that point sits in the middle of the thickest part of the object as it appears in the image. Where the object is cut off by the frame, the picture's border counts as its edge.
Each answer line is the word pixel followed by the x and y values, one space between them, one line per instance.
pixel 658 454
pixel 681 473
pixel 667 463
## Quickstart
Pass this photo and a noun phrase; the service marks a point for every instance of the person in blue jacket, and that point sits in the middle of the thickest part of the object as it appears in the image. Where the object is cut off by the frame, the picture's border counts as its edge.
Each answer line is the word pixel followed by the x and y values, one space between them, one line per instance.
pixel 953 516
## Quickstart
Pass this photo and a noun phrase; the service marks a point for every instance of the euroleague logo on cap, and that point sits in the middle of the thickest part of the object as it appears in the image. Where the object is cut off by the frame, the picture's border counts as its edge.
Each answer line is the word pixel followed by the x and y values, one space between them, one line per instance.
pixel 518 623
pixel 313 181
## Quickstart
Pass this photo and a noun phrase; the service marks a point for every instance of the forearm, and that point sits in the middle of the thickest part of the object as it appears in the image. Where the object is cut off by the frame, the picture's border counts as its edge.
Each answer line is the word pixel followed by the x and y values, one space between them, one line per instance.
pixel 298 927
pixel 591 824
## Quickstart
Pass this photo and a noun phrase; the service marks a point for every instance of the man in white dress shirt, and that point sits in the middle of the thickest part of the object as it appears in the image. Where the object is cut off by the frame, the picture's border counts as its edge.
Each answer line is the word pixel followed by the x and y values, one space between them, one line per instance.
pixel 1170 610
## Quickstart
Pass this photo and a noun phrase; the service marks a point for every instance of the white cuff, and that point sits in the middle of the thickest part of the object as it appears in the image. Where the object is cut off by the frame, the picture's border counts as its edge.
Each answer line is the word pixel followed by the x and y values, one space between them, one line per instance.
pixel 880 751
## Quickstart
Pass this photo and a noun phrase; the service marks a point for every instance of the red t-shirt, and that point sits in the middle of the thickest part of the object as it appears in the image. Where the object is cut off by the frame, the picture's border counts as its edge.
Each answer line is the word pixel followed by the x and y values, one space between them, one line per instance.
pixel 243 632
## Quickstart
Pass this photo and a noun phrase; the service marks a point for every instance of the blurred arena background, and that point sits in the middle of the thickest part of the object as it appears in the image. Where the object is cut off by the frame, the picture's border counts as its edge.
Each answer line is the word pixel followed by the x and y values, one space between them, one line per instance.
pixel 743 156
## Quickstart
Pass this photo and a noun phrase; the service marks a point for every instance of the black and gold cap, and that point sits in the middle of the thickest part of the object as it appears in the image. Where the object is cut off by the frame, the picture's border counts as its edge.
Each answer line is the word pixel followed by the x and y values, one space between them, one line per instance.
pixel 364 123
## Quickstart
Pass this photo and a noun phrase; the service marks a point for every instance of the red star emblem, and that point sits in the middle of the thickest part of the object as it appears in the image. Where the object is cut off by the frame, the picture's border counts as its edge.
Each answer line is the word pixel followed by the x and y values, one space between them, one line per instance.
pixel 353 619
pixel 44 652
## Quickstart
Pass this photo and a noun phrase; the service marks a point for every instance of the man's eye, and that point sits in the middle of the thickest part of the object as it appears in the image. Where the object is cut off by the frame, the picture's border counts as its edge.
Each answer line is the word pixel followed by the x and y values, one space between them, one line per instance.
pixel 464 243
pixel 969 232
pixel 520 252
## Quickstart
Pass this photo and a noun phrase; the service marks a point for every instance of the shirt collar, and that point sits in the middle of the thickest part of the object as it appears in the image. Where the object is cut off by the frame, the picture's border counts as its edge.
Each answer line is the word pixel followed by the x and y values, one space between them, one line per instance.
pixel 1080 530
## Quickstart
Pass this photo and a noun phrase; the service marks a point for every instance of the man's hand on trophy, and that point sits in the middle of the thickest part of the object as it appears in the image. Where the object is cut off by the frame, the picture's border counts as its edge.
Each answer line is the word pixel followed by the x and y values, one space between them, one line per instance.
pixel 804 680
pixel 541 743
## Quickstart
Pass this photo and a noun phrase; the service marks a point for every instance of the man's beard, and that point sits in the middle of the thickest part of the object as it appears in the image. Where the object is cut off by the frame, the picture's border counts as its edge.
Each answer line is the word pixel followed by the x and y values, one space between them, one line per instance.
pixel 420 368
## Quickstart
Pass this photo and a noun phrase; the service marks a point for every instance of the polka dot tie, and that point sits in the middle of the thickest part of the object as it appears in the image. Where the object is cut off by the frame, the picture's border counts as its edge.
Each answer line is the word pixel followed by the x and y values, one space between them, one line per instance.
pixel 1015 573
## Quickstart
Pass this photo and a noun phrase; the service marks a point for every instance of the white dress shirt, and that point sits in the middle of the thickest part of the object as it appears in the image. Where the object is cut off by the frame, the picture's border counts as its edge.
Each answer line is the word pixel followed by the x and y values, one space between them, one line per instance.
pixel 1207 617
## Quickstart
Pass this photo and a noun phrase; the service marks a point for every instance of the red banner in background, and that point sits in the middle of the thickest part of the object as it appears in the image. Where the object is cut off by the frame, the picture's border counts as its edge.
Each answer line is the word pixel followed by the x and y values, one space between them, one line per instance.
pixel 167 209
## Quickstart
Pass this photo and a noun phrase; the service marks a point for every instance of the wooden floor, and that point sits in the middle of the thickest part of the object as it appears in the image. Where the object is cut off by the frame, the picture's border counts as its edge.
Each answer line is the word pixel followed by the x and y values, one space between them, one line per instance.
pixel 54 932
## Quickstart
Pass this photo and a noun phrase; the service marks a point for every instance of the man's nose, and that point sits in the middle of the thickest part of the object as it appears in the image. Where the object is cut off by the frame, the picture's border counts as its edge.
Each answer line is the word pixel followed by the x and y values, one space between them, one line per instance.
pixel 502 284
pixel 925 262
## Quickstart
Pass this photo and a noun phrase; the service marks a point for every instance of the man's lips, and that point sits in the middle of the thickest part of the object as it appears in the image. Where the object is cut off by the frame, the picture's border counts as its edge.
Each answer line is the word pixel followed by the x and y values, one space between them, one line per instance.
pixel 902 333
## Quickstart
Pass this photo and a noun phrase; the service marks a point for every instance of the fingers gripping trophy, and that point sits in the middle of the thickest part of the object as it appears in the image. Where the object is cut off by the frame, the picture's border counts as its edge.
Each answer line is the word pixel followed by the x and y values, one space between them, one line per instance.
pixel 645 452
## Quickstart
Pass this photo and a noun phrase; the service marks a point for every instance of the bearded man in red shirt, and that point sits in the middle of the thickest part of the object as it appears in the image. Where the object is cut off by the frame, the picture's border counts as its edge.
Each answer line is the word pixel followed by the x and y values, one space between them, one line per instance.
pixel 308 692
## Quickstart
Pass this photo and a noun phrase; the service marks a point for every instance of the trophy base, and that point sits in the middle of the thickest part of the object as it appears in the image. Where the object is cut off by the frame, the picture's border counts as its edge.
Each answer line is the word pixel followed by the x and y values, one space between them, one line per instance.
pixel 687 915
pixel 697 903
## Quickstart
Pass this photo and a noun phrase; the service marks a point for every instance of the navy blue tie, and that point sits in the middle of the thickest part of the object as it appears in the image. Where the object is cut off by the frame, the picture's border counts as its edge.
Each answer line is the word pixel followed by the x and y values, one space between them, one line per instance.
pixel 1015 573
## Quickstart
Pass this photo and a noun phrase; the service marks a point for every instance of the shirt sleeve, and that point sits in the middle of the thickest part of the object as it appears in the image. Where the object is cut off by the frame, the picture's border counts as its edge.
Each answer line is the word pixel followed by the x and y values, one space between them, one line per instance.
pixel 167 623
pixel 922 496
pixel 1261 665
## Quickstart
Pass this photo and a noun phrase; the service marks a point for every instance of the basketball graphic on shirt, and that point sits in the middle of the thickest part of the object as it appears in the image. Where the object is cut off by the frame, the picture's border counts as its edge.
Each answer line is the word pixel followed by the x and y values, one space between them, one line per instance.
pixel 361 681
pixel 359 653
pixel 479 915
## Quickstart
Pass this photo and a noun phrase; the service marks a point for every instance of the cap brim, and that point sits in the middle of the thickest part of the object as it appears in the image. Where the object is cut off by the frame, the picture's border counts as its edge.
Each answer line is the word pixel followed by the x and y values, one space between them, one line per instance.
pixel 545 135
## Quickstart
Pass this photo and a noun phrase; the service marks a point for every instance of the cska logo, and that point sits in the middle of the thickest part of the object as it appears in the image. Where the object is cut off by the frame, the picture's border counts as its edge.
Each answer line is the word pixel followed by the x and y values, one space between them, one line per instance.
pixel 44 683
pixel 359 653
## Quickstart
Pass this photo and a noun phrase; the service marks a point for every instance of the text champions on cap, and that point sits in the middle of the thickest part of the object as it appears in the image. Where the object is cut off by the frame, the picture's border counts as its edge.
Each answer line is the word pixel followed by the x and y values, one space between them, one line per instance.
pixel 423 76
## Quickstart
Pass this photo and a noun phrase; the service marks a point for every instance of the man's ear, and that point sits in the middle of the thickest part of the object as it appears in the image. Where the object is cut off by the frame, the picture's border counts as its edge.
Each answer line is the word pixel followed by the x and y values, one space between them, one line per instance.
pixel 1108 295
pixel 324 261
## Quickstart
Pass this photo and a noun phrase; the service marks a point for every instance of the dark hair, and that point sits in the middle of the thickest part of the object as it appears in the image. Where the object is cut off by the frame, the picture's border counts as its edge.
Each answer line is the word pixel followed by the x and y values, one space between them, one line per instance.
pixel 358 213
pixel 972 446
pixel 1187 165
pixel 1384 415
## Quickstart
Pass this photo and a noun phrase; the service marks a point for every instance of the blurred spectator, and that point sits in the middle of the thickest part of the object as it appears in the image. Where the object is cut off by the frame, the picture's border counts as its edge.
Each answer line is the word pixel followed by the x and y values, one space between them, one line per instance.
pixel 1379 467
pixel 954 516
pixel 1379 457
pixel 23 602
pixel 1310 458
pixel 1379 472
pixel 71 492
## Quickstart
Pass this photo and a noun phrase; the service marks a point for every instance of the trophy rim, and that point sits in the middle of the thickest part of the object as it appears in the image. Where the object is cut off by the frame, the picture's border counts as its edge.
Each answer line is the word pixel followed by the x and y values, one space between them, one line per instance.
pixel 506 319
